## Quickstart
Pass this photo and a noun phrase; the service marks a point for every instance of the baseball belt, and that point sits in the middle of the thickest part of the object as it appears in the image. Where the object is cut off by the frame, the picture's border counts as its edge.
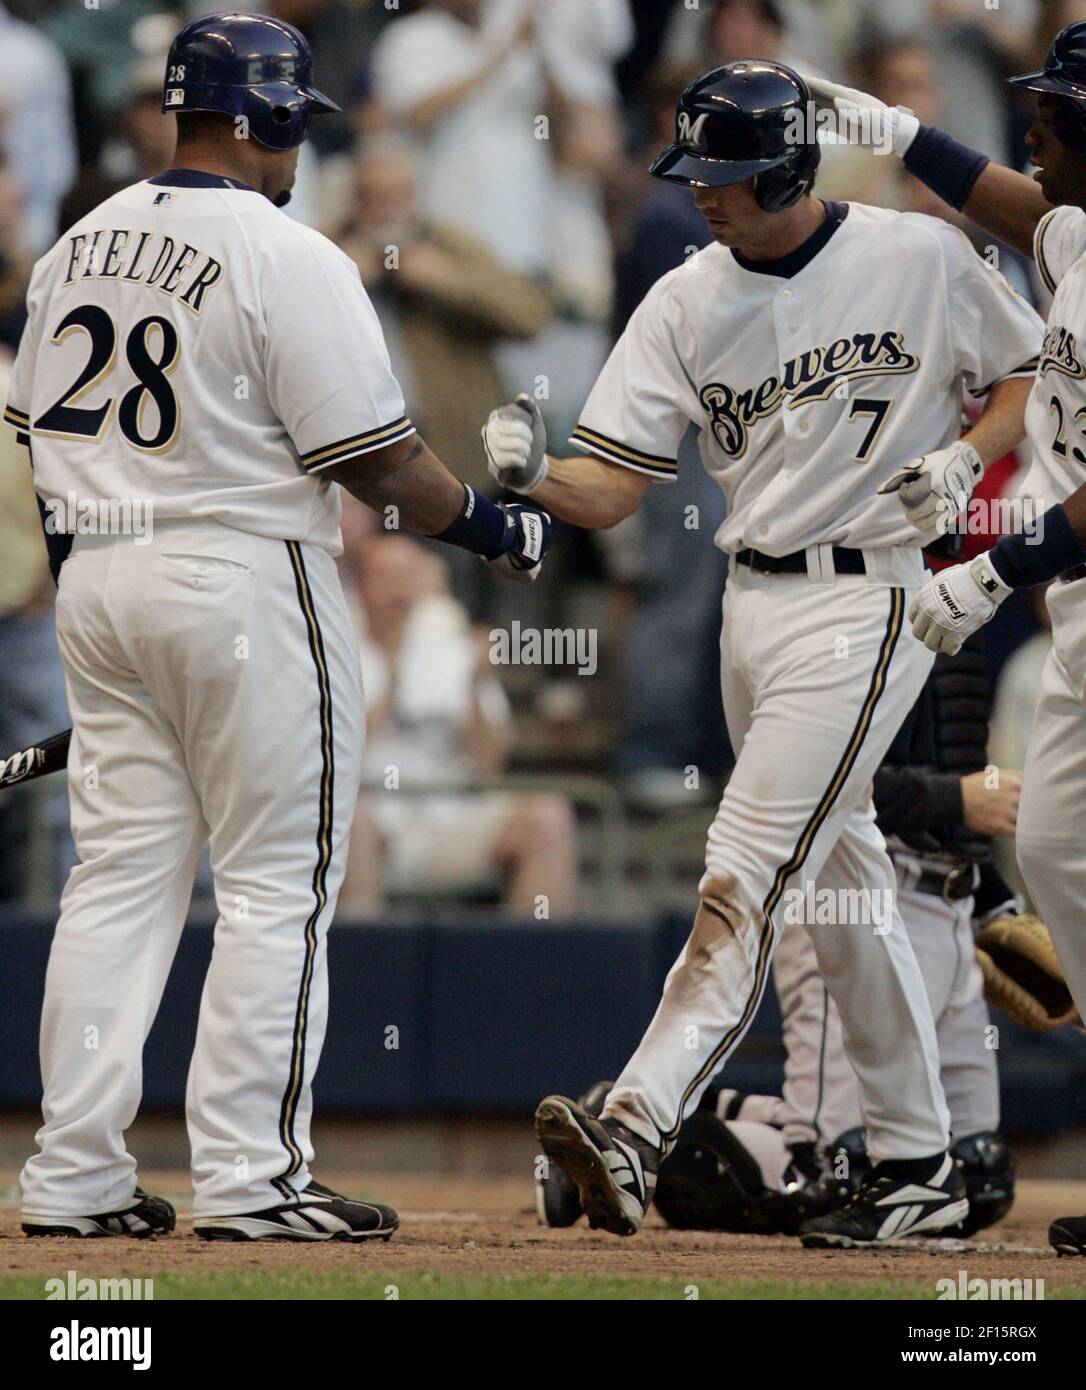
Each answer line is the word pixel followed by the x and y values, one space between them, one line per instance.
pixel 845 561
pixel 952 885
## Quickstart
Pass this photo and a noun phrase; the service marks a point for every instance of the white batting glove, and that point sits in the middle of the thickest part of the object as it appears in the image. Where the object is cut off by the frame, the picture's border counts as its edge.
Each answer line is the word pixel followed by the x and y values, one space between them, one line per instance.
pixel 955 603
pixel 515 440
pixel 863 119
pixel 937 487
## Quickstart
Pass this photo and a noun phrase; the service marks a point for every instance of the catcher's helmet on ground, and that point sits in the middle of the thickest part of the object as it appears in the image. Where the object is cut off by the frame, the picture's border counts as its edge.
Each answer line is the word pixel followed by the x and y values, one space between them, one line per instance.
pixel 246 65
pixel 1064 75
pixel 740 121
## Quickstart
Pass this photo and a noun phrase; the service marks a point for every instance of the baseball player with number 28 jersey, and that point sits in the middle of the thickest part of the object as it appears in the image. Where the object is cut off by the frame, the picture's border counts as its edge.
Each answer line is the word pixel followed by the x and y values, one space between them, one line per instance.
pixel 192 350
pixel 818 349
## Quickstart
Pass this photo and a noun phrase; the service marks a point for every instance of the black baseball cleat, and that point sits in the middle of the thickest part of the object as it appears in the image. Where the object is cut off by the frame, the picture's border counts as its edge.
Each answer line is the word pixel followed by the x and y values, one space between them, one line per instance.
pixel 143 1219
pixel 892 1202
pixel 556 1197
pixel 317 1214
pixel 1067 1235
pixel 614 1170
pixel 814 1186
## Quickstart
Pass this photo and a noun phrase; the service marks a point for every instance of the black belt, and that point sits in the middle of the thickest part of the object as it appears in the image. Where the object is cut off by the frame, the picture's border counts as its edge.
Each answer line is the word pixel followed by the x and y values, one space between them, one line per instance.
pixel 1076 572
pixel 951 886
pixel 845 561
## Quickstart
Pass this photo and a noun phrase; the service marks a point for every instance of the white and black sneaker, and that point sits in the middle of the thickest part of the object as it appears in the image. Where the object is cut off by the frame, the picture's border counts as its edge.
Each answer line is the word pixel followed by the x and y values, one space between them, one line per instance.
pixel 318 1213
pixel 142 1219
pixel 614 1170
pixel 900 1197
pixel 557 1200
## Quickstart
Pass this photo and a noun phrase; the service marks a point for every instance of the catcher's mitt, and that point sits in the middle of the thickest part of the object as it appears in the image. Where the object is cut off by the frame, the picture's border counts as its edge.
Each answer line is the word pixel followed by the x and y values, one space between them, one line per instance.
pixel 1022 973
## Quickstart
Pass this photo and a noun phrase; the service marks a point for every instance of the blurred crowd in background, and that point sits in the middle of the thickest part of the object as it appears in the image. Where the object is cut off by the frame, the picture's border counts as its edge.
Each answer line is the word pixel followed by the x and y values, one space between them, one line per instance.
pixel 487 176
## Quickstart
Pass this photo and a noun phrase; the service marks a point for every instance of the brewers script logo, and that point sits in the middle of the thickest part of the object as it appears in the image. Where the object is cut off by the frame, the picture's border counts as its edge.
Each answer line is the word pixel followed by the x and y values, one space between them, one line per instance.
pixel 812 376
pixel 1059 353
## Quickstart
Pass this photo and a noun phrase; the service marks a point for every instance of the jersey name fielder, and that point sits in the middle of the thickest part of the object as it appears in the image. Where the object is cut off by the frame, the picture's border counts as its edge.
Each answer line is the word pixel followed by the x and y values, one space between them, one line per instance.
pixel 811 380
pixel 190 345
pixel 292 364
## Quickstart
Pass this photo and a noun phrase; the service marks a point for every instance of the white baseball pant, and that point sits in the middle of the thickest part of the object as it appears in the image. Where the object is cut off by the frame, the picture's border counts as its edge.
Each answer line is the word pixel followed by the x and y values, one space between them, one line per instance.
pixel 1050 839
pixel 817 677
pixel 214 686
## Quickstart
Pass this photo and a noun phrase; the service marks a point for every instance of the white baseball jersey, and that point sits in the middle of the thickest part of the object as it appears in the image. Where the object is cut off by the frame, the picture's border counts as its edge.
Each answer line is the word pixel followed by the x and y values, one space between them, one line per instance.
pixel 810 386
pixel 1056 412
pixel 1049 843
pixel 191 346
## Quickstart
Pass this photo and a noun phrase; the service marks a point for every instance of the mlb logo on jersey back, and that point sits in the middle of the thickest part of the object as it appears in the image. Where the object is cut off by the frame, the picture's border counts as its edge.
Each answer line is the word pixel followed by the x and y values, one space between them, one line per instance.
pixel 163 198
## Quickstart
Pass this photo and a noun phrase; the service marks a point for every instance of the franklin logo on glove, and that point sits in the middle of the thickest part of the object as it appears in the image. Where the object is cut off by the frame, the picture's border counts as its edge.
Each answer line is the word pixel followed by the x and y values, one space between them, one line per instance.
pixel 954 611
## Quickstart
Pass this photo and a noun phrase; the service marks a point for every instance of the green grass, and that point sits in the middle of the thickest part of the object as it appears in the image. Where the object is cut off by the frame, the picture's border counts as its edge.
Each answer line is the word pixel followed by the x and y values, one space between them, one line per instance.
pixel 303 1284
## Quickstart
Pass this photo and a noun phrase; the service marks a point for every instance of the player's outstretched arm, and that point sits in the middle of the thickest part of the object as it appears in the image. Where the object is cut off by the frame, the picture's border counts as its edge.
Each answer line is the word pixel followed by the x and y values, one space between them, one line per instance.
pixel 583 491
pixel 428 499
pixel 1007 204
pixel 1001 200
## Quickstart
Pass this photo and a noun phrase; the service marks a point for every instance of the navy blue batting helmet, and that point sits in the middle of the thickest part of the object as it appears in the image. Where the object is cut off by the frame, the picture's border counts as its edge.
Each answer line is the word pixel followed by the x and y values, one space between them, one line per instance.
pixel 246 65
pixel 1064 75
pixel 740 121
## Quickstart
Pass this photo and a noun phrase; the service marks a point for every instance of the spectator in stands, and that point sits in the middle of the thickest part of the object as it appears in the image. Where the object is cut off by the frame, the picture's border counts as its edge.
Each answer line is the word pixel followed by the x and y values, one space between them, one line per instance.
pixel 145 138
pixel 581 41
pixel 466 80
pixel 16 259
pixel 973 46
pixel 36 124
pixel 749 29
pixel 443 300
pixel 437 718
pixel 33 703
pixel 727 31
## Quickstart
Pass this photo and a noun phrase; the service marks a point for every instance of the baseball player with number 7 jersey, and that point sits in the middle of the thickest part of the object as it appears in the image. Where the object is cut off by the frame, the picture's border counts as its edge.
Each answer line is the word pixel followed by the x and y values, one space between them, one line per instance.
pixel 817 348
pixel 191 349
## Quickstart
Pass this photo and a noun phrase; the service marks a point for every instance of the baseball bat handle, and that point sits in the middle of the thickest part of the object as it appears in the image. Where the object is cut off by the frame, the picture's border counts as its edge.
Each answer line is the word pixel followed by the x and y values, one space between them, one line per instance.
pixel 38 761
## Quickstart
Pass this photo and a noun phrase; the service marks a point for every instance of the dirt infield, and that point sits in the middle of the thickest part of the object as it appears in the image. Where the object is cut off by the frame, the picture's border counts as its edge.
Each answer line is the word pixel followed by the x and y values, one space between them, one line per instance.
pixel 468 1229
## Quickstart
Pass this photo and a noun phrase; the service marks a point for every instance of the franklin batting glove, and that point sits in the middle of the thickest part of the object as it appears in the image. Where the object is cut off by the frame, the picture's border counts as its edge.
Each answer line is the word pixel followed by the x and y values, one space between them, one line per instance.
pixel 952 605
pixel 525 542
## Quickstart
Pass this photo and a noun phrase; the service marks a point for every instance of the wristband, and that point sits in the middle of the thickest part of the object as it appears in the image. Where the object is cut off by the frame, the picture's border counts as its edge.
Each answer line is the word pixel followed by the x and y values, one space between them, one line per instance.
pixel 948 167
pixel 480 527
pixel 1020 563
